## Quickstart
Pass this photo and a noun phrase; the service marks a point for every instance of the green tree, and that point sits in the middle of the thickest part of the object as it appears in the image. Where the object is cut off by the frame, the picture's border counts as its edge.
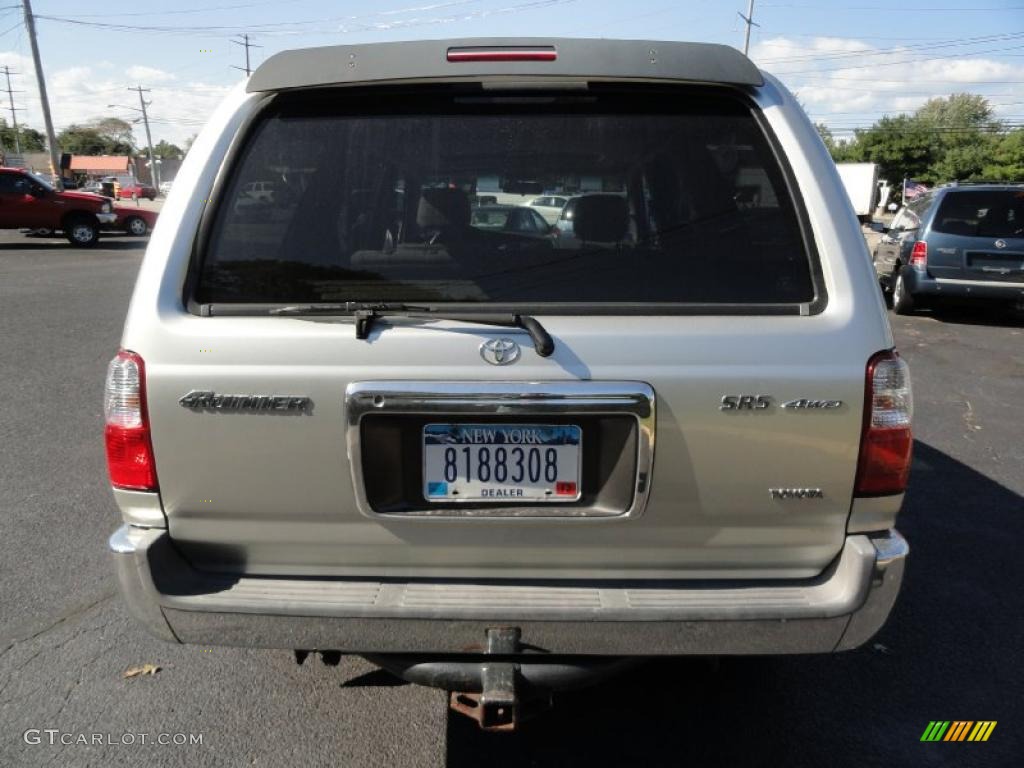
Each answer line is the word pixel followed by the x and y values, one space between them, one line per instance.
pixel 962 125
pixel 963 160
pixel 105 136
pixel 1006 162
pixel 826 137
pixel 114 128
pixel 30 139
pixel 841 151
pixel 166 150
pixel 957 111
pixel 947 138
pixel 902 146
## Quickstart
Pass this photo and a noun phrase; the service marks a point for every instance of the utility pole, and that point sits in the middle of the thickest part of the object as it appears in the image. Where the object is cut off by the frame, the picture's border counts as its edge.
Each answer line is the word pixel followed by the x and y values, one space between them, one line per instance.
pixel 749 19
pixel 51 137
pixel 245 42
pixel 154 170
pixel 14 111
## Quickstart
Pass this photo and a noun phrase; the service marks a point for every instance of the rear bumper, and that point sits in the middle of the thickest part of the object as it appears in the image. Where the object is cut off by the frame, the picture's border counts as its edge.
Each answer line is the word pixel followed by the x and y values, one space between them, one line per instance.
pixel 838 610
pixel 919 283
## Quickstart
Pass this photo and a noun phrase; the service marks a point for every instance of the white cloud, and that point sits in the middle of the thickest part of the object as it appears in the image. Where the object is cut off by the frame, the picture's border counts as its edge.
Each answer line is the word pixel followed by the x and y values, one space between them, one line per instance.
pixel 844 82
pixel 79 94
pixel 148 74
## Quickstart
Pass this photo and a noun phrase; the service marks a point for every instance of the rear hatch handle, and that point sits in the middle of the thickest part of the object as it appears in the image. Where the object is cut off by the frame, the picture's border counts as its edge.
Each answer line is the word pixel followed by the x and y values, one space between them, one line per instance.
pixel 366 314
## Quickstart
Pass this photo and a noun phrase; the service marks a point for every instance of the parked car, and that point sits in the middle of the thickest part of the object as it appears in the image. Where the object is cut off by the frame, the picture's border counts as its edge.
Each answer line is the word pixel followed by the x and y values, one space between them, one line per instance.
pixel 963 242
pixel 133 221
pixel 434 445
pixel 519 220
pixel 261 191
pixel 28 202
pixel 94 187
pixel 136 191
pixel 549 206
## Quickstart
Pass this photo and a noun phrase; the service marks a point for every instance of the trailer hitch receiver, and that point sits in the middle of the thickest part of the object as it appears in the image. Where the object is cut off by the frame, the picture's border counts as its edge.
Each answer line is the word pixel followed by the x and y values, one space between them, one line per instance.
pixel 499 705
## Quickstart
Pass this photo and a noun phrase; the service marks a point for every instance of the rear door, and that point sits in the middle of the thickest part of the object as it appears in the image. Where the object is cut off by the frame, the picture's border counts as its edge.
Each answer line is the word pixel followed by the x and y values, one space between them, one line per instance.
pixel 891 248
pixel 700 396
pixel 979 235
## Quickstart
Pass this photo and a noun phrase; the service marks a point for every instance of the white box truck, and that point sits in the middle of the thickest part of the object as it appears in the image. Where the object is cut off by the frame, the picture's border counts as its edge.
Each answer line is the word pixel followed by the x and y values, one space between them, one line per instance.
pixel 861 183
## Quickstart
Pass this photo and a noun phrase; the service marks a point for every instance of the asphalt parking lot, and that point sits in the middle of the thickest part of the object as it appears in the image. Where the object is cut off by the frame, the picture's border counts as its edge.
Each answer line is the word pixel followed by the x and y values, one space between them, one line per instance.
pixel 951 651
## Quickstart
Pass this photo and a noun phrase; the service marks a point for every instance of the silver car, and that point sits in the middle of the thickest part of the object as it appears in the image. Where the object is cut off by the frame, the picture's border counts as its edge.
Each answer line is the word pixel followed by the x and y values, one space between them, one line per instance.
pixel 359 423
pixel 549 206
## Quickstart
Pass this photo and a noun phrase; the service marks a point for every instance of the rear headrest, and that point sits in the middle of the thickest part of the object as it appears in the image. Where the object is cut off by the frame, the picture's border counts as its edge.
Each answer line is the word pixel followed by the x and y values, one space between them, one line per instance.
pixel 442 208
pixel 601 218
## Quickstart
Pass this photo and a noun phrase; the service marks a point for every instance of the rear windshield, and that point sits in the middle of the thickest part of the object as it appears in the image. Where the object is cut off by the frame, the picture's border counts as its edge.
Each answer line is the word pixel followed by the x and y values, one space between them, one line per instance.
pixel 982 213
pixel 676 198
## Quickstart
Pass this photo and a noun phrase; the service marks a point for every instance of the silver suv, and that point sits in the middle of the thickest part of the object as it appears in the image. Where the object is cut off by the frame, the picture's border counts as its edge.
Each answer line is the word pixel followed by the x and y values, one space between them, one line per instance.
pixel 350 420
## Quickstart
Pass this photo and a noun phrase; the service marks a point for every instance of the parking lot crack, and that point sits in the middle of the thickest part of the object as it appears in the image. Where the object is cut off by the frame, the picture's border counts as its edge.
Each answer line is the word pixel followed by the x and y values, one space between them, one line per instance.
pixel 74 686
pixel 76 633
pixel 55 622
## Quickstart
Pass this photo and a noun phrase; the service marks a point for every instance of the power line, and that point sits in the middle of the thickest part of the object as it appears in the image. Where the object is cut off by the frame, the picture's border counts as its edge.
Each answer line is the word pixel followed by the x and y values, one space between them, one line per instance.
pixel 245 42
pixel 748 20
pixel 14 110
pixel 829 36
pixel 11 29
pixel 949 43
pixel 154 169
pixel 51 138
pixel 897 63
pixel 932 131
pixel 279 27
pixel 908 9
pixel 183 11
pixel 905 81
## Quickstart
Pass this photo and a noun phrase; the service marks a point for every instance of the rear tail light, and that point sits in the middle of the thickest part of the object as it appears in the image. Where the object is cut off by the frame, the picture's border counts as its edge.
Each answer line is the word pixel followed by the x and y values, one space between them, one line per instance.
pixel 541 53
pixel 919 254
pixel 129 448
pixel 886 439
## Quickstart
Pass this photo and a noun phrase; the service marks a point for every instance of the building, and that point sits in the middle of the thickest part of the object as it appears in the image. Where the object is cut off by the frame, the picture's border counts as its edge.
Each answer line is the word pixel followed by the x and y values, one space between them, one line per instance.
pixel 98 166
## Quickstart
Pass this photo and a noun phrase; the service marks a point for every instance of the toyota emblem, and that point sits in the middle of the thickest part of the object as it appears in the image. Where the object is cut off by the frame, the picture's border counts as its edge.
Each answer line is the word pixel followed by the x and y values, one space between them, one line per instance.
pixel 1000 243
pixel 499 351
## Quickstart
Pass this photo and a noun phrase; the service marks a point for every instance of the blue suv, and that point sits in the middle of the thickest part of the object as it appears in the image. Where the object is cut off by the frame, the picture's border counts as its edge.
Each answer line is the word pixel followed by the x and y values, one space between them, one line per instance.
pixel 961 241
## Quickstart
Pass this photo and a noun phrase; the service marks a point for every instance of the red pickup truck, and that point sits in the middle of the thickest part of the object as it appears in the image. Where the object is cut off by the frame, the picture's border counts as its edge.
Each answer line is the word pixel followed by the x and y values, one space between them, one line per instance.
pixel 28 202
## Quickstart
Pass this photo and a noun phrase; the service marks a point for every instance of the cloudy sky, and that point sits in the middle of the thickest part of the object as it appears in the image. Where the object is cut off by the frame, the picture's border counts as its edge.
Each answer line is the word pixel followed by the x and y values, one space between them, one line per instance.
pixel 849 62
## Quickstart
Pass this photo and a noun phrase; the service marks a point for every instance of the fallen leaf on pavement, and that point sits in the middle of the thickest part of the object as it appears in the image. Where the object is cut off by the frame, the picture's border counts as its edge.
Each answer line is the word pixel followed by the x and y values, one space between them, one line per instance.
pixel 145 669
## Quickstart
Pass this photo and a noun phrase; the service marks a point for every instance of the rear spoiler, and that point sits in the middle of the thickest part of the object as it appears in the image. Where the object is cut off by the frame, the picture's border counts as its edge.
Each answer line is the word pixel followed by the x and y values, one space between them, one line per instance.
pixel 507 59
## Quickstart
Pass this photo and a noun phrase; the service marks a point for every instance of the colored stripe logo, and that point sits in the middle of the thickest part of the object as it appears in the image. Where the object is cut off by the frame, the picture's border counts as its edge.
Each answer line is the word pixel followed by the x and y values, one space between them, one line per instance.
pixel 958 730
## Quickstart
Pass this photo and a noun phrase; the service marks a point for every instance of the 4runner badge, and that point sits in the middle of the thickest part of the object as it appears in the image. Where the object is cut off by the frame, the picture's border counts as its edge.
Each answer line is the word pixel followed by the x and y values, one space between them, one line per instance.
pixel 206 400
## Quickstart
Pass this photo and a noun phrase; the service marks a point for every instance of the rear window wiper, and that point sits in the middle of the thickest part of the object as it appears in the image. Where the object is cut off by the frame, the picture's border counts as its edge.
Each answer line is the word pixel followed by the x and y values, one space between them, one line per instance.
pixel 366 314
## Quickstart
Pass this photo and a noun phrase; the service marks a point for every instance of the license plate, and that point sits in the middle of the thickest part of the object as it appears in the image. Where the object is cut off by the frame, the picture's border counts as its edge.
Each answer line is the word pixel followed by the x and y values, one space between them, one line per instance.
pixel 501 462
